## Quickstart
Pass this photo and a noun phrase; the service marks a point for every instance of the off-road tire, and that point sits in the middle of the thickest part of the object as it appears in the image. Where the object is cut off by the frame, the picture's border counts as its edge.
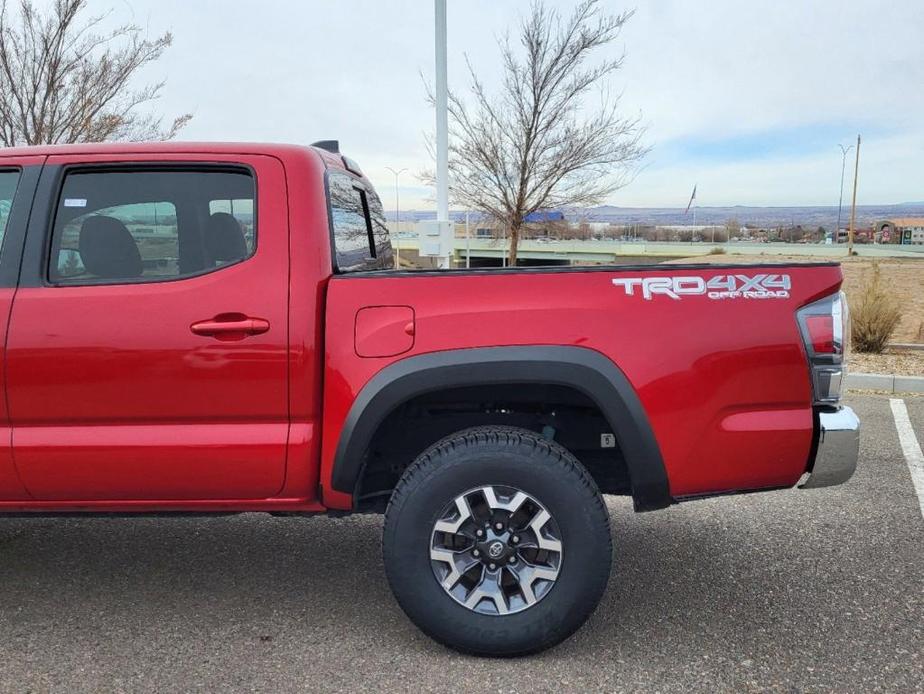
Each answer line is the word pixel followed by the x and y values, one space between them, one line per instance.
pixel 510 457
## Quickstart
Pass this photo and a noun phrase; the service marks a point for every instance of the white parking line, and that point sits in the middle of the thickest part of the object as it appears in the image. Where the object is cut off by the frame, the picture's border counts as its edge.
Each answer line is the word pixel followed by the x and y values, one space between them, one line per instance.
pixel 910 447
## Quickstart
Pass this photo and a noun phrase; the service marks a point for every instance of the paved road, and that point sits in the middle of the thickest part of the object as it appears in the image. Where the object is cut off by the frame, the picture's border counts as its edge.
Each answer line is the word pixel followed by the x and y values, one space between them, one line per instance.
pixel 786 591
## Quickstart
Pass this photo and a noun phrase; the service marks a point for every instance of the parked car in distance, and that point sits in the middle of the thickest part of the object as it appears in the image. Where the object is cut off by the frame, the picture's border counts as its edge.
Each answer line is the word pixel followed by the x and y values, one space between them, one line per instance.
pixel 214 328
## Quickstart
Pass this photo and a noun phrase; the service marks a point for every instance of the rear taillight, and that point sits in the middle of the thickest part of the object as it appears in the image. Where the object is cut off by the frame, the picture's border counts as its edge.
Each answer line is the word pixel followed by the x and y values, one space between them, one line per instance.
pixel 821 334
pixel 825 327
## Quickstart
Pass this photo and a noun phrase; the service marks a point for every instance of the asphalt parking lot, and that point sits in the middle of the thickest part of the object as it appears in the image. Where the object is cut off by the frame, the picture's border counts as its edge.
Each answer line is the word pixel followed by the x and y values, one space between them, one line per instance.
pixel 792 591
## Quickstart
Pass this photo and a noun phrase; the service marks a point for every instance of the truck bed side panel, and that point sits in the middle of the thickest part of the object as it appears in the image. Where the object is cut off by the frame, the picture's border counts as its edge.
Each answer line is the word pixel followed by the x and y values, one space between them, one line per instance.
pixel 724 381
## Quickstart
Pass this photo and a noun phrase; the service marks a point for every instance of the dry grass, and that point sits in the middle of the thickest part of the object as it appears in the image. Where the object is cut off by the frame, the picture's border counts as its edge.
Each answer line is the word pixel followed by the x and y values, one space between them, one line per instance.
pixel 901 279
pixel 875 315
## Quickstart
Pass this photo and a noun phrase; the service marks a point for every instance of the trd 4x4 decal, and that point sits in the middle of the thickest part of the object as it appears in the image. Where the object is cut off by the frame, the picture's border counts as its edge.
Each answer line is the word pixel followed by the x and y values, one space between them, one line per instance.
pixel 718 287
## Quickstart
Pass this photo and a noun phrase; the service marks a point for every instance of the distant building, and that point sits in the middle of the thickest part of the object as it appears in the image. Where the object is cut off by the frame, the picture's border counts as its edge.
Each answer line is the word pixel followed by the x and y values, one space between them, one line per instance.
pixel 904 230
pixel 544 216
pixel 860 235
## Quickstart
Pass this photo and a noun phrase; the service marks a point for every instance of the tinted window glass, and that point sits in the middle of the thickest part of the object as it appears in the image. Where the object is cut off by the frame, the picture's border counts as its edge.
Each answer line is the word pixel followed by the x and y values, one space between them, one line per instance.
pixel 8 182
pixel 150 225
pixel 360 235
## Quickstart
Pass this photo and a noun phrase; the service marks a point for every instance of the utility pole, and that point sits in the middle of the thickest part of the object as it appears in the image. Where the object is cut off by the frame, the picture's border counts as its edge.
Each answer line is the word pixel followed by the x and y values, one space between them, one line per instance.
pixel 397 219
pixel 853 209
pixel 442 124
pixel 840 201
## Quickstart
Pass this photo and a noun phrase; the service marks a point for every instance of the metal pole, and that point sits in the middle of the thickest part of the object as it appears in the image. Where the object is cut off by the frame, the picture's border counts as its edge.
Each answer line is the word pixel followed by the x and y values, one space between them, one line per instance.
pixel 468 242
pixel 442 122
pixel 853 208
pixel 840 201
pixel 397 219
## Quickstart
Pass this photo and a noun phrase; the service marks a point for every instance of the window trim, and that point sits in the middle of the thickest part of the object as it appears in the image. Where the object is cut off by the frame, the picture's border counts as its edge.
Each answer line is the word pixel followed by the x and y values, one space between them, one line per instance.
pixel 370 238
pixel 57 188
pixel 16 235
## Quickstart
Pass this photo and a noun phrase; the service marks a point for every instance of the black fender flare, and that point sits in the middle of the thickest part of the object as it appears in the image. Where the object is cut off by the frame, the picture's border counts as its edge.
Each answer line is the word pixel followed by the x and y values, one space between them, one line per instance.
pixel 586 370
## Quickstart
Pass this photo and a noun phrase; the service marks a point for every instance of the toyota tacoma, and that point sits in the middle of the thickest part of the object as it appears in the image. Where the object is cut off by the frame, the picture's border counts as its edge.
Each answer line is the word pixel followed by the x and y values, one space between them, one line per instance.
pixel 216 328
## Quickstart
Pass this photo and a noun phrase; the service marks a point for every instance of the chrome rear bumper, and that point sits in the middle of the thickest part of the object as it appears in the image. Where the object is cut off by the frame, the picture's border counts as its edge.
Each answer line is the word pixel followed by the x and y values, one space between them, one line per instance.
pixel 837 450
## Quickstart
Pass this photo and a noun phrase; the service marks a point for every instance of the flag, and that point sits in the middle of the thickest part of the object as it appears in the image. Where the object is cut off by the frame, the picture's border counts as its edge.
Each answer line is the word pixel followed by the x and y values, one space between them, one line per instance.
pixel 692 198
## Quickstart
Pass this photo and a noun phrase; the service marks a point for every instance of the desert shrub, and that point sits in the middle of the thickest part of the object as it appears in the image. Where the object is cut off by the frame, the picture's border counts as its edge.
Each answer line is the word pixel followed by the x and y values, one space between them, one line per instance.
pixel 874 315
pixel 717 251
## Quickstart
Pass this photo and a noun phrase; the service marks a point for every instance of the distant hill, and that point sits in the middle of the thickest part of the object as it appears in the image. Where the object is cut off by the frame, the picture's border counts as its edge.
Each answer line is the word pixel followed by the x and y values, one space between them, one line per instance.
pixel 807 216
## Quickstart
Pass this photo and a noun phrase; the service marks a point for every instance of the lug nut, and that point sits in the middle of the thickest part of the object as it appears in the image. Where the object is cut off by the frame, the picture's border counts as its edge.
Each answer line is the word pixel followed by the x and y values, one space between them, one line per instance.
pixel 492 566
pixel 479 532
pixel 499 526
pixel 515 539
pixel 513 560
pixel 476 553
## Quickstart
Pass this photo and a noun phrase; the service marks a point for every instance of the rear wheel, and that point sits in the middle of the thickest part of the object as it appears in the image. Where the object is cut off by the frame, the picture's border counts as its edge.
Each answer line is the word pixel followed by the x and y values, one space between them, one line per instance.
pixel 497 542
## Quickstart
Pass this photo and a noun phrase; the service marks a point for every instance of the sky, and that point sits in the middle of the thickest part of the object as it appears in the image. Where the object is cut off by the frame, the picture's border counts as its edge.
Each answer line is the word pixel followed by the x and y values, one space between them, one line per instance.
pixel 747 100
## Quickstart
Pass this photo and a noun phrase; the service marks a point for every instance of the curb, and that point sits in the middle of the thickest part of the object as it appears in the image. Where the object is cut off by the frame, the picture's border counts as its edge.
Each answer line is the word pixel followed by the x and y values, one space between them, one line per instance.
pixel 905 346
pixel 888 382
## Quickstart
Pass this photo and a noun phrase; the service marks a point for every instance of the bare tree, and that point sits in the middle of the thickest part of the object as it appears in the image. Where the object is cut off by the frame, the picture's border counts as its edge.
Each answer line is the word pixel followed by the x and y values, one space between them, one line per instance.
pixel 63 81
pixel 536 144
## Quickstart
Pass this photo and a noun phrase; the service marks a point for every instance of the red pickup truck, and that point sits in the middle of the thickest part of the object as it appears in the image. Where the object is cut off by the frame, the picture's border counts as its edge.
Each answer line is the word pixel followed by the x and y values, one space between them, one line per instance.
pixel 199 328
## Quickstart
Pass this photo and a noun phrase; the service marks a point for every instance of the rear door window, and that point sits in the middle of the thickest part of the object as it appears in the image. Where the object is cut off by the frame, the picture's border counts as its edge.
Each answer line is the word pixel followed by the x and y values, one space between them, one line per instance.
pixel 150 225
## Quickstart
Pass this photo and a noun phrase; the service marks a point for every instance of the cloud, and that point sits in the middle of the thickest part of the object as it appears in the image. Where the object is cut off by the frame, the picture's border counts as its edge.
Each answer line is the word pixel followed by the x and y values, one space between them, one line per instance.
pixel 748 98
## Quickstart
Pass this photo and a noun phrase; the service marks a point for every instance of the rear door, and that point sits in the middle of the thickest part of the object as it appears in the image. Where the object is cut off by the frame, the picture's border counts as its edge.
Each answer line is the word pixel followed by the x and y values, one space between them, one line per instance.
pixel 147 349
pixel 18 178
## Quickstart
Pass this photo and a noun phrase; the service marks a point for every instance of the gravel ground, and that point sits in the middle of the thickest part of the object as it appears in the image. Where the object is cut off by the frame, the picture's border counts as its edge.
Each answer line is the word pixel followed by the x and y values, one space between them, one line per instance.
pixel 790 591
pixel 901 362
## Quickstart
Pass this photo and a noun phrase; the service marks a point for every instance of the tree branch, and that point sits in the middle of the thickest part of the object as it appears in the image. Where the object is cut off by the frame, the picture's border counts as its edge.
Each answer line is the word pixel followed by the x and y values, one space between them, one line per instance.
pixel 61 81
pixel 536 143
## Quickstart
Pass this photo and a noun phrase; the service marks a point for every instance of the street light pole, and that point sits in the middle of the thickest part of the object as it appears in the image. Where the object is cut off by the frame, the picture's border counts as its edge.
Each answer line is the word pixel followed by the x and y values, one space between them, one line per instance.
pixel 840 202
pixel 853 209
pixel 397 219
pixel 442 122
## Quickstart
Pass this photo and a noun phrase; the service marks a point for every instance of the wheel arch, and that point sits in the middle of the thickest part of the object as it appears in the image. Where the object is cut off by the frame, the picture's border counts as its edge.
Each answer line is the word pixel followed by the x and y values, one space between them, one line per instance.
pixel 583 369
